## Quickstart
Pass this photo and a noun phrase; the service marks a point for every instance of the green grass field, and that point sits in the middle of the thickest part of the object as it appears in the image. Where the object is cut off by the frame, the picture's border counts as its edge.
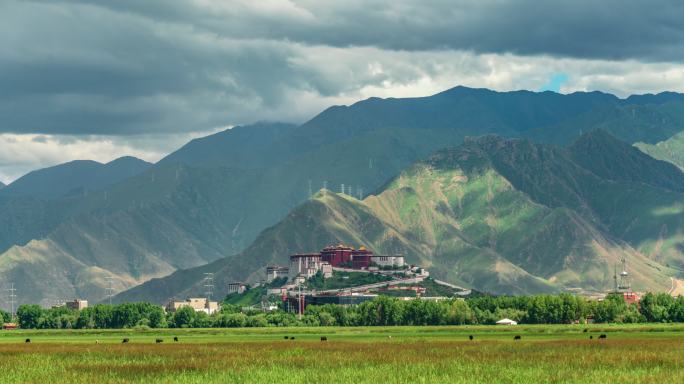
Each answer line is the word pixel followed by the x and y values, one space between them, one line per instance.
pixel 631 354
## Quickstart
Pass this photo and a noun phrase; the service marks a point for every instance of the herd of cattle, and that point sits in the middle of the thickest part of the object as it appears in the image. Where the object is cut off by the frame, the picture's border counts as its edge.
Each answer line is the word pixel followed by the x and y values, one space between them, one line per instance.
pixel 324 338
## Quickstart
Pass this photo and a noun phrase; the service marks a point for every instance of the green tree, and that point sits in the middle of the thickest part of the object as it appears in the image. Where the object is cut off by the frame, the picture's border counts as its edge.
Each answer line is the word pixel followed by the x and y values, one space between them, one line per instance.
pixel 658 307
pixel 183 317
pixel 232 320
pixel 5 317
pixel 157 317
pixel 29 316
pixel 103 316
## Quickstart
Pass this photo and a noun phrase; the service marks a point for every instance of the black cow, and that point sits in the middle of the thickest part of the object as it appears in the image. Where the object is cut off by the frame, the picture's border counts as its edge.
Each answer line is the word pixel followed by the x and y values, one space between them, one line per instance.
pixel 471 337
pixel 175 338
pixel 585 330
pixel 517 337
pixel 292 338
pixel 27 341
pixel 603 336
pixel 286 337
pixel 159 341
pixel 324 338
pixel 591 337
pixel 124 341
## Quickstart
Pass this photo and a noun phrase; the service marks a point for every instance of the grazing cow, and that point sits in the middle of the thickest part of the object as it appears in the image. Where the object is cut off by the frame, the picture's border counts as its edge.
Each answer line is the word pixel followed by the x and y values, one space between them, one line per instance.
pixel 470 337
pixel 27 341
pixel 585 330
pixel 175 338
pixel 292 338
pixel 97 341
pixel 517 337
pixel 603 336
pixel 124 341
pixel 324 338
pixel 159 341
pixel 286 337
pixel 389 337
pixel 591 337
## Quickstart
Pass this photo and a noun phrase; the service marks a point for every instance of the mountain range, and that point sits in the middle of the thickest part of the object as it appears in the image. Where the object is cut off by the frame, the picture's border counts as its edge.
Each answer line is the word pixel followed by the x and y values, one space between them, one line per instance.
pixel 229 199
pixel 502 216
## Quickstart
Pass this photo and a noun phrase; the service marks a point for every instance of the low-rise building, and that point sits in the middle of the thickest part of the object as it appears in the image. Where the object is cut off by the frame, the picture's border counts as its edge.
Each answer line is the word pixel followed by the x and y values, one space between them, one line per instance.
pixel 327 270
pixel 9 326
pixel 199 304
pixel 76 304
pixel 304 264
pixel 388 261
pixel 275 272
pixel 237 287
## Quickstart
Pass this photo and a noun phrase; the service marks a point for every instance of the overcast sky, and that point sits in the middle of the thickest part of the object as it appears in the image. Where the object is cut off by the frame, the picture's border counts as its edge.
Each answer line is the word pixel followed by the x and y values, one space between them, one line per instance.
pixel 102 79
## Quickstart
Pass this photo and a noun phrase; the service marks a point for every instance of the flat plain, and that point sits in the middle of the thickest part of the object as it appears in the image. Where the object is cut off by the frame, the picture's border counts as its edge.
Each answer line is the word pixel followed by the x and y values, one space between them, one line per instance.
pixel 629 353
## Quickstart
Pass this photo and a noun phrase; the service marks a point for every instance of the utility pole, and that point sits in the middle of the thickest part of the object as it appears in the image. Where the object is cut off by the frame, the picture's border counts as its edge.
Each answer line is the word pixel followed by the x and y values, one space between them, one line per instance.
pixel 209 284
pixel 310 190
pixel 299 309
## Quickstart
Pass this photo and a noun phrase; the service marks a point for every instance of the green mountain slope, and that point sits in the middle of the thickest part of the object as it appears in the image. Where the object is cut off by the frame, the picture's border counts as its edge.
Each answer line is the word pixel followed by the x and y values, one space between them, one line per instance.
pixel 612 159
pixel 504 216
pixel 670 150
pixel 167 218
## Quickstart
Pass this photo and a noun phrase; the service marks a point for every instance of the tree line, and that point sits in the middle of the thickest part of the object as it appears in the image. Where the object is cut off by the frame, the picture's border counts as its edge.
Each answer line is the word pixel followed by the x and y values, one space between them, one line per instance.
pixel 537 309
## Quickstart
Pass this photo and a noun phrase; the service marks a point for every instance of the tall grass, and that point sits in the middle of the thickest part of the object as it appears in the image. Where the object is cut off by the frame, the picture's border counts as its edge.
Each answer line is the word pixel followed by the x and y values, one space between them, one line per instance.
pixel 359 355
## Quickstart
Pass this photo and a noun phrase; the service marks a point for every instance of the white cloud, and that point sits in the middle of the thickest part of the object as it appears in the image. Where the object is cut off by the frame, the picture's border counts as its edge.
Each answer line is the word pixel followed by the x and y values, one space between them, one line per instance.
pixel 22 153
pixel 105 79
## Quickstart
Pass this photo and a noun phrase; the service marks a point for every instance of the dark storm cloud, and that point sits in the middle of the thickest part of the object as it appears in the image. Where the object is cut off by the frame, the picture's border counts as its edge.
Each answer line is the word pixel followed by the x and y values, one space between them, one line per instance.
pixel 127 67
pixel 605 29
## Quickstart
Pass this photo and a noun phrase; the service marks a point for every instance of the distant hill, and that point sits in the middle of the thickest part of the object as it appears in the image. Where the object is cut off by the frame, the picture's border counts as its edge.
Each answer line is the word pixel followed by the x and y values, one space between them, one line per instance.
pixel 213 197
pixel 75 177
pixel 502 216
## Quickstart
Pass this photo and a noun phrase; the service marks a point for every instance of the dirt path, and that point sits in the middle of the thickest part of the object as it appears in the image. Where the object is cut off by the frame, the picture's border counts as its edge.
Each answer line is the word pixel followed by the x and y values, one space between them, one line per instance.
pixel 677 287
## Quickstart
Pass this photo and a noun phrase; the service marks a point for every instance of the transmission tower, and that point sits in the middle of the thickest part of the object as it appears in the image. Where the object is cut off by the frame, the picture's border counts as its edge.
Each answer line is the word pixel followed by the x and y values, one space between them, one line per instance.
pixel 209 284
pixel 109 291
pixel 342 188
pixel 12 298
